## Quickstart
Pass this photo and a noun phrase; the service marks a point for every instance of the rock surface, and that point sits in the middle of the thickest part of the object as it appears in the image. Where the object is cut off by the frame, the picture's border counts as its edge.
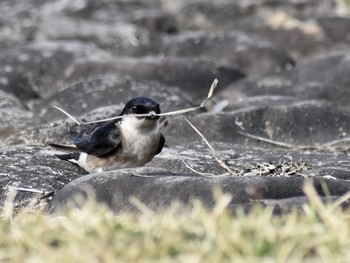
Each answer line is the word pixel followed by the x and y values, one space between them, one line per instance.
pixel 157 191
pixel 32 167
pixel 279 117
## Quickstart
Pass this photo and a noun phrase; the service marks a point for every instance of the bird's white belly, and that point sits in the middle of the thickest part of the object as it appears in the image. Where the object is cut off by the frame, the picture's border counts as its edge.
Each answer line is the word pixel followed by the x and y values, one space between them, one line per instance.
pixel 140 143
pixel 142 147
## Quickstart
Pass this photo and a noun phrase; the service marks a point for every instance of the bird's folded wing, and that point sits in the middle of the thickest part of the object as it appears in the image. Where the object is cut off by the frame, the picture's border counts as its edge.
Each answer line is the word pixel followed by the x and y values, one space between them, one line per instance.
pixel 101 141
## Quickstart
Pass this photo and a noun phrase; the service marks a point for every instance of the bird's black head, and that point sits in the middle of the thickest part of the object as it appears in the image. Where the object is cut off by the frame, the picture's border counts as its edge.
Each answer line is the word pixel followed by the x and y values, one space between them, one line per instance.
pixel 141 105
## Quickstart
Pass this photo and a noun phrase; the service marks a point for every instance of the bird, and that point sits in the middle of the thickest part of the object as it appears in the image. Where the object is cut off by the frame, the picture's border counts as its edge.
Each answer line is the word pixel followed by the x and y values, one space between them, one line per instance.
pixel 121 143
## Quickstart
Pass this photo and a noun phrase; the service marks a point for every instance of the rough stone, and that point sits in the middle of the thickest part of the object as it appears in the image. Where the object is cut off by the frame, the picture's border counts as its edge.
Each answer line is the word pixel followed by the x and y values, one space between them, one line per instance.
pixel 159 190
pixel 42 134
pixel 336 28
pixel 13 120
pixel 118 37
pixel 301 123
pixel 8 100
pixel 103 10
pixel 321 78
pixel 193 75
pixel 45 65
pixel 264 176
pixel 14 117
pixel 254 54
pixel 18 22
pixel 32 167
pixel 20 85
pixel 156 22
pixel 227 15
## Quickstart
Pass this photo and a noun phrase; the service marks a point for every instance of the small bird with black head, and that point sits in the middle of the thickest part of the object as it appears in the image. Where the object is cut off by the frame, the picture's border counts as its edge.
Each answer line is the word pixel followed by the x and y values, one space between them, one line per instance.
pixel 131 141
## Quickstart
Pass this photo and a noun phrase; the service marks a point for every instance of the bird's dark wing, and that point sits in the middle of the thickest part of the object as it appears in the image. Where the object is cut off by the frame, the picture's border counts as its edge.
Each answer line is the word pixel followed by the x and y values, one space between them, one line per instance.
pixel 101 141
pixel 161 143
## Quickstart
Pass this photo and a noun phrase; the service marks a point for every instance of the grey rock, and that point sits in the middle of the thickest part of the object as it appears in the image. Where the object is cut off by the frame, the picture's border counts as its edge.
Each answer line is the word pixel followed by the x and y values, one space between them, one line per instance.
pixel 158 190
pixel 119 38
pixel 124 28
pixel 303 123
pixel 321 78
pixel 14 116
pixel 236 101
pixel 32 167
pixel 18 22
pixel 253 54
pixel 276 21
pixel 42 134
pixel 19 84
pixel 103 10
pixel 304 41
pixel 210 16
pixel 288 205
pixel 193 75
pixel 8 100
pixel 13 120
pixel 35 167
pixel 336 28
pixel 45 65
pixel 156 21
pixel 252 161
pixel 228 15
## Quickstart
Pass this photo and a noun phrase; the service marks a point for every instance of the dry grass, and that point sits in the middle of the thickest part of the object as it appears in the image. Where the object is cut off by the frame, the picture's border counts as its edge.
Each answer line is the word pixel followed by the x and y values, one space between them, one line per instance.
pixel 285 167
pixel 94 234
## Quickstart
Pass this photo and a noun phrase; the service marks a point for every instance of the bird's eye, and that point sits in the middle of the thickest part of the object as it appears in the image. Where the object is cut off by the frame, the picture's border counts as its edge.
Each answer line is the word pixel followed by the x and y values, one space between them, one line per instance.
pixel 134 108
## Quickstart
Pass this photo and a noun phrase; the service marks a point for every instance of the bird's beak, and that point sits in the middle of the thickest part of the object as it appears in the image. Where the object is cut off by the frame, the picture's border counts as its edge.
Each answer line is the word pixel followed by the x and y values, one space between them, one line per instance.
pixel 153 115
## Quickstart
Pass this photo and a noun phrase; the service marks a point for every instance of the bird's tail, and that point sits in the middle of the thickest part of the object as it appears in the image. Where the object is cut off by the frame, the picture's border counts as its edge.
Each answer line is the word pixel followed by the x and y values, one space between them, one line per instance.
pixel 64 147
pixel 71 157
pixel 72 154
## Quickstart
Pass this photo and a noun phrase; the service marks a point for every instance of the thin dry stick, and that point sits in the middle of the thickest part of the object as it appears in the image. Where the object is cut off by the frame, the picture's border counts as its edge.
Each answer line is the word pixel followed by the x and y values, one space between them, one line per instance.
pixel 213 151
pixel 68 115
pixel 44 194
pixel 177 112
pixel 331 143
pixel 327 145
pixel 27 190
pixel 200 173
pixel 286 145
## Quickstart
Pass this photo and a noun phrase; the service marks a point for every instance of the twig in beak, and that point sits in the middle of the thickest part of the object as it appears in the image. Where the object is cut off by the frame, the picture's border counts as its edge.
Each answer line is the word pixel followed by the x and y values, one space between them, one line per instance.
pixel 177 112
pixel 68 115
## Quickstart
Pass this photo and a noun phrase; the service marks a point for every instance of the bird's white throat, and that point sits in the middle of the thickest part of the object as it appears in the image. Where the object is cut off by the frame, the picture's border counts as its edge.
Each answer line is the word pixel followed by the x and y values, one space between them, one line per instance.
pixel 136 125
pixel 140 137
